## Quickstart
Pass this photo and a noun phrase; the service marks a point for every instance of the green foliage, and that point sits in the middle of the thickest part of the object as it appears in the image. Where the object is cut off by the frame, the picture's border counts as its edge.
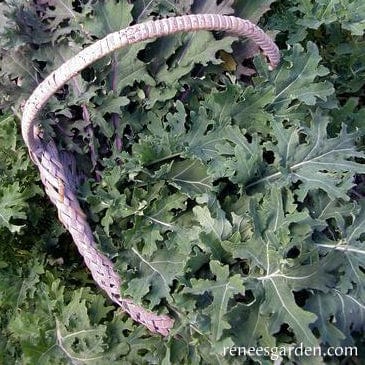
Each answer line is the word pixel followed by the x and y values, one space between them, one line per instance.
pixel 348 14
pixel 14 165
pixel 234 202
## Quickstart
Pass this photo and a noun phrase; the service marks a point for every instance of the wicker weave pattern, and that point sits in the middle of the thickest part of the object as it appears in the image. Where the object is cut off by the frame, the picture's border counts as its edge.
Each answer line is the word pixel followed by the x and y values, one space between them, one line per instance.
pixel 58 179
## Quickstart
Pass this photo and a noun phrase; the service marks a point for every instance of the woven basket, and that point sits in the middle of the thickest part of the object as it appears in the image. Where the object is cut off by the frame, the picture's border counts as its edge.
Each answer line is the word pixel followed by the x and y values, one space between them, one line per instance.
pixel 55 174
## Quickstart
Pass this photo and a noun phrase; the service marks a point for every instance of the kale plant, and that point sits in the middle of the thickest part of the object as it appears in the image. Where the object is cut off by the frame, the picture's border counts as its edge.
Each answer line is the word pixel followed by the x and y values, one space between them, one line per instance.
pixel 229 196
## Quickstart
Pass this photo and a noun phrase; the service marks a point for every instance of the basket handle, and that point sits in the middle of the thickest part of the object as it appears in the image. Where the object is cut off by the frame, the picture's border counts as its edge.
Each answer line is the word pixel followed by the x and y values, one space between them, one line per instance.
pixel 54 173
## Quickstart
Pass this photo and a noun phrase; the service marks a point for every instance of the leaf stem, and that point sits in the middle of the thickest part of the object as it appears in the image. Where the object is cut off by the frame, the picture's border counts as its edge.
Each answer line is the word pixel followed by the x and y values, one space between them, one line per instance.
pixel 277 174
pixel 164 158
pixel 342 248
